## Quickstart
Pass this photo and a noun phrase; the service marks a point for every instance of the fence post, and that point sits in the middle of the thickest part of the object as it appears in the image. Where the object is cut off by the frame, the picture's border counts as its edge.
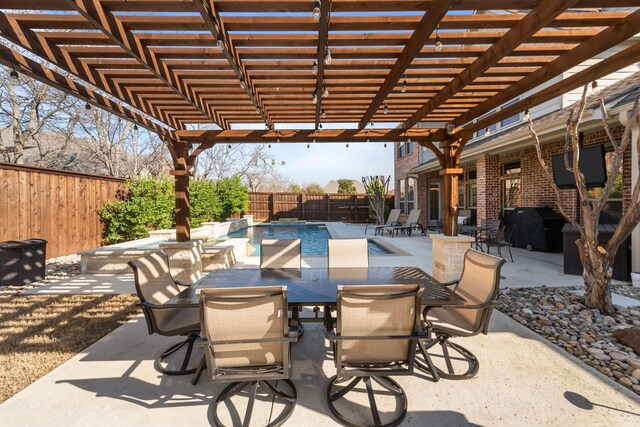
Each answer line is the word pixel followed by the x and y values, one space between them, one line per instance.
pixel 328 207
pixel 302 199
pixel 272 203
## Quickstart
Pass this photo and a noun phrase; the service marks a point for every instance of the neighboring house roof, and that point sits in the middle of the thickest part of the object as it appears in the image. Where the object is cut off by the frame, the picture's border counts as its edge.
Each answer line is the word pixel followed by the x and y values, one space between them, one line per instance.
pixel 332 186
pixel 616 96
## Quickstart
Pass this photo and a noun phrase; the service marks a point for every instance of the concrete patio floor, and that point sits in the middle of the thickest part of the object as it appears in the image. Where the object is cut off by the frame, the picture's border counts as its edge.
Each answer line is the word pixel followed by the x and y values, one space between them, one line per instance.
pixel 523 380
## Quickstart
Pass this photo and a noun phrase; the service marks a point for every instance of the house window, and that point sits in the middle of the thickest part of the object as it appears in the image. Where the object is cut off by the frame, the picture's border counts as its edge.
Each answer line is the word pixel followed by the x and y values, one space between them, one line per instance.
pixel 472 191
pixel 612 208
pixel 513 119
pixel 511 188
pixel 472 174
pixel 401 195
pixel 404 149
pixel 411 194
pixel 400 149
pixel 461 196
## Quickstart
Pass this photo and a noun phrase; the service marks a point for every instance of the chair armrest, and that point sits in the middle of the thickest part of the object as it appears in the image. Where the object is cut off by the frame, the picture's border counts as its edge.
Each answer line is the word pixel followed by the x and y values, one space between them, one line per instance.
pixel 461 307
pixel 155 306
pixel 331 336
pixel 248 341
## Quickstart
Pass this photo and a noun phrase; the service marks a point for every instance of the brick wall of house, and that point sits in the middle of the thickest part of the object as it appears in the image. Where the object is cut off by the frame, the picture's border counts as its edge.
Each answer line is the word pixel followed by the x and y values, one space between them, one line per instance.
pixel 536 190
pixel 401 166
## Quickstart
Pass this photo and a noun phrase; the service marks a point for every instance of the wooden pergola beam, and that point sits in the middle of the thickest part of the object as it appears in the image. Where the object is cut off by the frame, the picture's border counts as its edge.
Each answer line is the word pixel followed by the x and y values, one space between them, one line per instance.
pixel 599 43
pixel 117 31
pixel 427 25
pixel 540 16
pixel 211 17
pixel 322 48
pixel 301 136
pixel 624 58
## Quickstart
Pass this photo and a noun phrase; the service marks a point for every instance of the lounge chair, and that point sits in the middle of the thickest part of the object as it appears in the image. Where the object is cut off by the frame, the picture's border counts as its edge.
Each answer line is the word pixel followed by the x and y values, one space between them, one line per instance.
pixel 377 330
pixel 248 345
pixel 155 286
pixel 412 223
pixel 348 253
pixel 279 253
pixel 478 286
pixel 392 219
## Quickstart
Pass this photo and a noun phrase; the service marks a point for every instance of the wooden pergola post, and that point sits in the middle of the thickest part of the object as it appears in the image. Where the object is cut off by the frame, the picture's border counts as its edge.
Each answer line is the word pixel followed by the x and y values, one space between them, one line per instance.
pixel 181 173
pixel 450 163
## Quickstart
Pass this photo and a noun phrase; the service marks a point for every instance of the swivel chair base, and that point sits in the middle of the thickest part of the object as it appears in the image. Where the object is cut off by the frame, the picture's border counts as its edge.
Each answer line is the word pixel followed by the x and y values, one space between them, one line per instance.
pixel 184 370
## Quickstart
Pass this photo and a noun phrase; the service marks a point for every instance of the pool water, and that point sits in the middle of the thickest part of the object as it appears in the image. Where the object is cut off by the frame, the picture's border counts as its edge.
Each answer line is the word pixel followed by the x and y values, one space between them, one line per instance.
pixel 314 238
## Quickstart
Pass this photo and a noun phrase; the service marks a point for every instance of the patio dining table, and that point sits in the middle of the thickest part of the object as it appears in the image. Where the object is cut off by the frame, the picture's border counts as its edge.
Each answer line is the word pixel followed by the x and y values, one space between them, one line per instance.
pixel 318 286
pixel 475 232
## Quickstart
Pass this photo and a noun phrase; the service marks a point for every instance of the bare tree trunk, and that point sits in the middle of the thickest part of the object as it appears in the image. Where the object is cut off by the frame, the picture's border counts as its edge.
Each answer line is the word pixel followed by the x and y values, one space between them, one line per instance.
pixel 597 272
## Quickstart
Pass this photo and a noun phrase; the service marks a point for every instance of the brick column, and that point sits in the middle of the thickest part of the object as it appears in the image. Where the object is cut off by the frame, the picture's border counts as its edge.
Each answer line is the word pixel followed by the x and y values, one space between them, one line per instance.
pixel 488 184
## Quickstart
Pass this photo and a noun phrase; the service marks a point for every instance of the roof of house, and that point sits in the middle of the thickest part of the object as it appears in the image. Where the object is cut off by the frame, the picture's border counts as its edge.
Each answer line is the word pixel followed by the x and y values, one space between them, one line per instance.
pixel 619 94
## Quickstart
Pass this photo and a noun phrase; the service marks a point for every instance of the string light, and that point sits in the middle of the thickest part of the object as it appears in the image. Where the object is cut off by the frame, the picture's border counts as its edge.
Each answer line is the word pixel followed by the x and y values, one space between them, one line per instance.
pixel 323 115
pixel 314 140
pixel 403 89
pixel 87 106
pixel 135 127
pixel 243 84
pixel 308 145
pixel 438 45
pixel 385 145
pixel 320 126
pixel 316 11
pixel 371 124
pixel 228 147
pixel 347 145
pixel 368 140
pixel 269 145
pixel 408 140
pixel 325 92
pixel 257 109
pixel 14 74
pixel 315 98
pixel 594 87
pixel 314 69
pixel 526 115
pixel 386 109
pixel 277 140
pixel 327 58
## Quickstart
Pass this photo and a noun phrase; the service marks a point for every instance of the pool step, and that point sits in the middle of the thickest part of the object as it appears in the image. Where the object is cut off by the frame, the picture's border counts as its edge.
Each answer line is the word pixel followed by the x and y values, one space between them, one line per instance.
pixel 225 254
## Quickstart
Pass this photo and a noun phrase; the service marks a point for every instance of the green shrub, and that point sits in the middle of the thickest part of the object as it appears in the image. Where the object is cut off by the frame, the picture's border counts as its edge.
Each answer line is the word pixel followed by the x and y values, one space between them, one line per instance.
pixel 233 196
pixel 149 204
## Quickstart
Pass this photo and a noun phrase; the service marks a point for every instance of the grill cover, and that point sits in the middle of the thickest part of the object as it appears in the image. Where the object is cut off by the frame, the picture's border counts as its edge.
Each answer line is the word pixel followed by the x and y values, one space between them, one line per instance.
pixel 539 227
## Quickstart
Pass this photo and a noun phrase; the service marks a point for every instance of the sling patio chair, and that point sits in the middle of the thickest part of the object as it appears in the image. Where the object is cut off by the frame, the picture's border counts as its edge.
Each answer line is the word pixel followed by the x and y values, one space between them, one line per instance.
pixel 412 223
pixel 247 344
pixel 478 286
pixel 392 219
pixel 348 253
pixel 375 338
pixel 280 253
pixel 501 238
pixel 155 286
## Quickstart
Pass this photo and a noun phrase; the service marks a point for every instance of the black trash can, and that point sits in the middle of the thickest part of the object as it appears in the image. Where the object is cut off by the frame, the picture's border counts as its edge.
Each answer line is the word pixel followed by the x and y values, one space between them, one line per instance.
pixel 22 261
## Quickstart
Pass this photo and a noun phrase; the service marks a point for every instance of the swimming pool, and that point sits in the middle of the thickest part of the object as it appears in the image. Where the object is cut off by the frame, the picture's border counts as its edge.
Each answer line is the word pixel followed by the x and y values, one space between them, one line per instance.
pixel 314 238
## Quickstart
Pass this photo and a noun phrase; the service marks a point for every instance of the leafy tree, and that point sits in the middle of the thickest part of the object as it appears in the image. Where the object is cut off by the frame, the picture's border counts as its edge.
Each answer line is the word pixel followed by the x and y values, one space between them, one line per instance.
pixel 233 196
pixel 597 259
pixel 346 186
pixel 295 188
pixel 313 188
pixel 205 202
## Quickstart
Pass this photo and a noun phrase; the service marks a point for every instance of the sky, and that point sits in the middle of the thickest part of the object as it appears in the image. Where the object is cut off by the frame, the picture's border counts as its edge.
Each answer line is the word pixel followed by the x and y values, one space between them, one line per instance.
pixel 322 162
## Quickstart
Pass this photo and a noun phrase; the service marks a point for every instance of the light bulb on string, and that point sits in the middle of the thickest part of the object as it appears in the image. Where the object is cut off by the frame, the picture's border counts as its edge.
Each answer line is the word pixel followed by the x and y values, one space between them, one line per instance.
pixel 316 11
pixel 325 92
pixel 347 145
pixel 315 98
pixel 243 84
pixel 385 145
pixel 14 75
pixel 308 145
pixel 327 58
pixel 87 106
pixel 323 115
pixel 269 145
pixel 314 68
pixel 594 87
pixel 527 116
pixel 220 42
pixel 368 140
pixel 403 89
pixel 257 109
pixel 386 109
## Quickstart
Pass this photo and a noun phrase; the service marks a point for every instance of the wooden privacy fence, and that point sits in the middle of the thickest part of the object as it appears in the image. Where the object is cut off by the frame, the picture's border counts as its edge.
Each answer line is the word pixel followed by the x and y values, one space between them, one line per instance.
pixel 58 206
pixel 310 207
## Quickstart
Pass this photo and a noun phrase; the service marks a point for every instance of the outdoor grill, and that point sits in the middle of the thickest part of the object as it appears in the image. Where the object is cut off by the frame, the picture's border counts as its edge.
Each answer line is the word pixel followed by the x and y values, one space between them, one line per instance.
pixel 536 228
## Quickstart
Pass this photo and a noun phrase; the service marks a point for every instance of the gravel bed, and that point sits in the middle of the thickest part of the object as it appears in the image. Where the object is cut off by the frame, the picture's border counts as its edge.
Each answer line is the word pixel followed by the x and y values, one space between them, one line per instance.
pixel 560 316
pixel 56 268
pixel 626 290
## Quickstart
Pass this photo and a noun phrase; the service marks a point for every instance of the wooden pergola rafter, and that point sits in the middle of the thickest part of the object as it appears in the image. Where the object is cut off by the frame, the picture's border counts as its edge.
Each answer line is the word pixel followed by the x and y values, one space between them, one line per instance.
pixel 161 59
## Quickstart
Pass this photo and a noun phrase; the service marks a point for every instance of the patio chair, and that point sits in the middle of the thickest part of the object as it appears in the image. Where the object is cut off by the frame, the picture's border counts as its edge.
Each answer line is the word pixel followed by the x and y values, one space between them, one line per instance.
pixel 376 335
pixel 411 223
pixel 478 286
pixel 348 253
pixel 248 345
pixel 464 216
pixel 492 226
pixel 501 239
pixel 438 226
pixel 155 286
pixel 279 253
pixel 392 219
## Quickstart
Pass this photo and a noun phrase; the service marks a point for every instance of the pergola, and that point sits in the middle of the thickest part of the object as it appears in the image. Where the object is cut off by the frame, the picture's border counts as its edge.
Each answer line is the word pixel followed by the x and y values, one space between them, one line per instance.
pixel 439 68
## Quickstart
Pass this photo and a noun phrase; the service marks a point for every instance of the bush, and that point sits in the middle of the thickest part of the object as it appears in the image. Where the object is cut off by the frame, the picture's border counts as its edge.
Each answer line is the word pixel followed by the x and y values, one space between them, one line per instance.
pixel 233 196
pixel 149 204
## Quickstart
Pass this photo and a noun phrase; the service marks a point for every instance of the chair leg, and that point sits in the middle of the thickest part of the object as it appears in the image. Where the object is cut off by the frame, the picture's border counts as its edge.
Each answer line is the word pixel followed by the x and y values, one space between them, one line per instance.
pixel 185 363
pixel 272 390
pixel 392 387
pixel 510 254
pixel 201 367
pixel 474 364
pixel 427 365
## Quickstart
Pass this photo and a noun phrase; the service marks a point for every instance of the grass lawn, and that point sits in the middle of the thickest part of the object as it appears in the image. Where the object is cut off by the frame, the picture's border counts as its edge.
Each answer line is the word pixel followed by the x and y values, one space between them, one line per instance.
pixel 40 332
